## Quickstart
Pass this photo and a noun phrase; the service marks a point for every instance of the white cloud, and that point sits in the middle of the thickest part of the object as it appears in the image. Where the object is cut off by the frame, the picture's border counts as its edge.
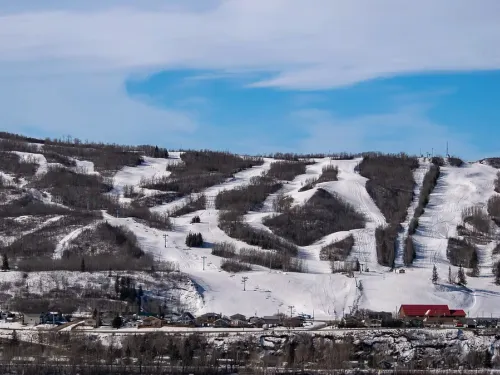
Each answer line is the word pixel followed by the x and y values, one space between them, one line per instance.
pixel 87 106
pixel 65 63
pixel 309 43
pixel 406 128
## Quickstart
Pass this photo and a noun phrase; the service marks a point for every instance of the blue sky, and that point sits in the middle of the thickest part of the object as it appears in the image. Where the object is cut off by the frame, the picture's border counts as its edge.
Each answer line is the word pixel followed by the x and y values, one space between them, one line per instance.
pixel 412 113
pixel 256 76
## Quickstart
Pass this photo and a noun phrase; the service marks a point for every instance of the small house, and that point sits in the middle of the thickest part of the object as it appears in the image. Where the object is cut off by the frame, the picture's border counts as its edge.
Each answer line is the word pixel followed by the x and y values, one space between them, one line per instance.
pixel 272 321
pixel 151 322
pixel 470 322
pixel 400 270
pixel 351 322
pixel 431 314
pixel 256 322
pixel 238 317
pixel 293 322
pixel 52 318
pixel 186 319
pixel 208 319
pixel 30 319
pixel 239 323
pixel 373 323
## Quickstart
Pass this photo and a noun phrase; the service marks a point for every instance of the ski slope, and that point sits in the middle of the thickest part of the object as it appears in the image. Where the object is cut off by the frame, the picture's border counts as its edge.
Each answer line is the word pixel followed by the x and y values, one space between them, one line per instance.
pixel 418 176
pixel 319 291
pixel 150 168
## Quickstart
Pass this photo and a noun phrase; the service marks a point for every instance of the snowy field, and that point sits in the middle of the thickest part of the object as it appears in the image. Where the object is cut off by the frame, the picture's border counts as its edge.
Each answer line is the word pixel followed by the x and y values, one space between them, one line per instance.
pixel 318 291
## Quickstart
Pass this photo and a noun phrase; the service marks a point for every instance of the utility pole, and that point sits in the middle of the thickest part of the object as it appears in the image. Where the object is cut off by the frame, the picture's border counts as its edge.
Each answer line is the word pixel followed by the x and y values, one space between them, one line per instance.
pixel 165 238
pixel 203 257
pixel 291 310
pixel 244 281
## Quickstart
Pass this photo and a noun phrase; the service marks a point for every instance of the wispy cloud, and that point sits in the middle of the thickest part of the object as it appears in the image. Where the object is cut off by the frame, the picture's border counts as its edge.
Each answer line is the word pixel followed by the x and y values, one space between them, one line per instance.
pixel 64 64
pixel 88 106
pixel 405 128
pixel 310 44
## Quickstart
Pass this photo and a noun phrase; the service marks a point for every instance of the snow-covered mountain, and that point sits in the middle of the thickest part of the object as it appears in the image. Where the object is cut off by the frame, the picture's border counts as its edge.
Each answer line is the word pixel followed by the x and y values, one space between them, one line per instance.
pixel 143 194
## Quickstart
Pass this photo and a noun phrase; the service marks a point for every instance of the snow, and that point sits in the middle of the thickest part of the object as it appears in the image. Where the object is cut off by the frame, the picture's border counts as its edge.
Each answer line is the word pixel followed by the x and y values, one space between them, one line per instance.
pixel 61 246
pixel 457 188
pixel 319 290
pixel 418 175
pixel 240 179
pixel 84 167
pixel 351 187
pixel 37 158
pixel 327 295
pixel 150 168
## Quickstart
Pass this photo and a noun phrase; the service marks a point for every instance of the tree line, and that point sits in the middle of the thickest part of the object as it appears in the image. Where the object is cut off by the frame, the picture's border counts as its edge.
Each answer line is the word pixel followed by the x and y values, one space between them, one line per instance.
pixel 390 184
pixel 322 214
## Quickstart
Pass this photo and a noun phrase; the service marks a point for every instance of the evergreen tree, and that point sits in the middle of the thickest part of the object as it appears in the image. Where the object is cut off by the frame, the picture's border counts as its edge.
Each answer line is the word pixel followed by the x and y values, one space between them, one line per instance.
pixel 82 265
pixel 109 272
pixel 140 292
pixel 474 265
pixel 139 305
pixel 450 278
pixel 117 322
pixel 461 276
pixel 194 240
pixel 496 272
pixel 435 276
pixel 488 359
pixel 5 263
pixel 14 340
pixel 360 286
pixel 117 285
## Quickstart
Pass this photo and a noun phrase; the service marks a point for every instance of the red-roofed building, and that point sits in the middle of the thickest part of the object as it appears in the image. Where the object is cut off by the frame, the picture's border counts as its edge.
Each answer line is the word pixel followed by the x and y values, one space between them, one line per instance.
pixel 458 313
pixel 439 314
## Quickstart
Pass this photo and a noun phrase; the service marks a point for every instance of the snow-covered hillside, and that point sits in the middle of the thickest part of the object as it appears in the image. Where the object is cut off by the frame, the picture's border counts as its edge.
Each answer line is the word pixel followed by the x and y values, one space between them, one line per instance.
pixel 316 291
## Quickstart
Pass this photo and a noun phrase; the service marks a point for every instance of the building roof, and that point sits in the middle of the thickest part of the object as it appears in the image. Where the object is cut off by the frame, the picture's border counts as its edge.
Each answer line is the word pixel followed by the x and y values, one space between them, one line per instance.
pixel 187 315
pixel 458 313
pixel 426 310
pixel 238 317
pixel 210 315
